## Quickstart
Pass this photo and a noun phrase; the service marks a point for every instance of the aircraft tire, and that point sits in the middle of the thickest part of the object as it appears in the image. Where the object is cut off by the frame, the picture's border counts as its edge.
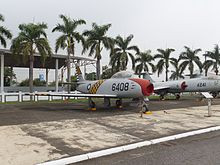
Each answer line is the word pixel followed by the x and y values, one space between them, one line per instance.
pixel 214 95
pixel 177 97
pixel 145 108
pixel 92 104
pixel 118 103
pixel 161 97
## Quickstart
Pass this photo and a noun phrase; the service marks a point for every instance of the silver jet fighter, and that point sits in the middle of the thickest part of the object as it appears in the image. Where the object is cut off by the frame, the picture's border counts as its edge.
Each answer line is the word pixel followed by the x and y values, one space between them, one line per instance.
pixel 202 84
pixel 122 85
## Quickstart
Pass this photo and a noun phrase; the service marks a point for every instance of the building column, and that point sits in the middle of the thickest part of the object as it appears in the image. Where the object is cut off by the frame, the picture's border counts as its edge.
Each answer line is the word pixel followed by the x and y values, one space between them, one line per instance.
pixel 62 72
pixel 56 76
pixel 11 76
pixel 2 73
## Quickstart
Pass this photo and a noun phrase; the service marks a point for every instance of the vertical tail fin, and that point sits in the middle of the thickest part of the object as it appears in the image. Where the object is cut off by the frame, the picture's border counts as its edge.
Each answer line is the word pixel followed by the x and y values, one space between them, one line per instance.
pixel 79 74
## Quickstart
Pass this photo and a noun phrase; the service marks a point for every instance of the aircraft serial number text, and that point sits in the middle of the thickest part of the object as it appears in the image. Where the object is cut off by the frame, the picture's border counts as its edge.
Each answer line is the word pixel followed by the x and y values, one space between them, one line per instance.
pixel 120 86
pixel 201 85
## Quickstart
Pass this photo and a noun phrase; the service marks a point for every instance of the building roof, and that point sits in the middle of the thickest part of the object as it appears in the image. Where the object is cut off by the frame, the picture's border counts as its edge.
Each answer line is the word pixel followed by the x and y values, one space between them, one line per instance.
pixel 50 63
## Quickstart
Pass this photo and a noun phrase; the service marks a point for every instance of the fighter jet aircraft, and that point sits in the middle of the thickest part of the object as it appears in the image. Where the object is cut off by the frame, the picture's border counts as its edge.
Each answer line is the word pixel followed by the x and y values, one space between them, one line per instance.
pixel 209 84
pixel 121 85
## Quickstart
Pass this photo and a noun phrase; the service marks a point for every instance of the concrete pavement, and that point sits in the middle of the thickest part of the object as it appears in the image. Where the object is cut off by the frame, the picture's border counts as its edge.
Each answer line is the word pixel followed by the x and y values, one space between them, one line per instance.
pixel 38 142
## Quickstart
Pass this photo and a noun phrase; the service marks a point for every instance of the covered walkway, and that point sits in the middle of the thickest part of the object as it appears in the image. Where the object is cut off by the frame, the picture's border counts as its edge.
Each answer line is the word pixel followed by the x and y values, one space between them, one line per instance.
pixel 55 61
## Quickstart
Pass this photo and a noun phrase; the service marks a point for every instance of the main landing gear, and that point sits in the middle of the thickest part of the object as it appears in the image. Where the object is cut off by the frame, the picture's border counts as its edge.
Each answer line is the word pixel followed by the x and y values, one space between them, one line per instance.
pixel 118 103
pixel 107 103
pixel 214 94
pixel 92 105
pixel 162 97
pixel 177 96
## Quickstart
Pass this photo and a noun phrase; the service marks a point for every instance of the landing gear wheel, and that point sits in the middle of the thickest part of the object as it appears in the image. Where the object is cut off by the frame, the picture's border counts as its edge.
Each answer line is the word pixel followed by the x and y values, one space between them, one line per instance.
pixel 92 105
pixel 145 109
pixel 119 103
pixel 214 95
pixel 177 96
pixel 161 97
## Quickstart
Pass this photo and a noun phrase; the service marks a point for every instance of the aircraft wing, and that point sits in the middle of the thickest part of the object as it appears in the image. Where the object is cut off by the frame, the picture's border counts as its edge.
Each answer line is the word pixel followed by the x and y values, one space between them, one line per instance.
pixel 73 95
pixel 207 95
pixel 160 88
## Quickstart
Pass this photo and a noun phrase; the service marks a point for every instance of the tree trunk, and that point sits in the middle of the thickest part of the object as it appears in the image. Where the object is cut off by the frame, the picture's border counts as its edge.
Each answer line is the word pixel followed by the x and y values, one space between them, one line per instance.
pixel 206 72
pixel 166 74
pixel 98 67
pixel 191 69
pixel 47 71
pixel 31 75
pixel 216 71
pixel 191 73
pixel 68 73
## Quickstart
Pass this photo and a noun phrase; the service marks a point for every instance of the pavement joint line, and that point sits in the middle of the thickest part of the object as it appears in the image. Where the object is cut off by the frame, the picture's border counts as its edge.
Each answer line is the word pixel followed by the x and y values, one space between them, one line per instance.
pixel 114 150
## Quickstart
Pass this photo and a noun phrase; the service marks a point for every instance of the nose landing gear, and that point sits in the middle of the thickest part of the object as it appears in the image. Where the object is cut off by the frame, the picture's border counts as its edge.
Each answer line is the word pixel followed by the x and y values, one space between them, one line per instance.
pixel 145 108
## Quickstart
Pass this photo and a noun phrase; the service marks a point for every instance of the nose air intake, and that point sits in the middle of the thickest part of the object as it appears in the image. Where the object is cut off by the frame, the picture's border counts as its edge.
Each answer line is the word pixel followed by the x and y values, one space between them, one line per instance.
pixel 147 87
pixel 183 85
pixel 150 89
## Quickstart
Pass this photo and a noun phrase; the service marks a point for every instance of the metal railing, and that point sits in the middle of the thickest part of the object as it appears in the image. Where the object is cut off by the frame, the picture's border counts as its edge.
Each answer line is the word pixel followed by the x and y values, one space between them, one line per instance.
pixel 25 96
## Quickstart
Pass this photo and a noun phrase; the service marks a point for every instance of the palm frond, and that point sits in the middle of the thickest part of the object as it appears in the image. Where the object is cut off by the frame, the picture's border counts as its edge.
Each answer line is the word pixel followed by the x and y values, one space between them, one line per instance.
pixel 2 18
pixel 59 28
pixel 61 43
pixel 3 41
pixel 134 48
pixel 156 56
pixel 183 65
pixel 5 32
pixel 132 60
pixel 160 66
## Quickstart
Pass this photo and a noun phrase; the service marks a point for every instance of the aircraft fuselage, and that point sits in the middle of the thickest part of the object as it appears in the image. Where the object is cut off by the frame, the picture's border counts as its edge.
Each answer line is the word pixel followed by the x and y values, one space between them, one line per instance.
pixel 123 88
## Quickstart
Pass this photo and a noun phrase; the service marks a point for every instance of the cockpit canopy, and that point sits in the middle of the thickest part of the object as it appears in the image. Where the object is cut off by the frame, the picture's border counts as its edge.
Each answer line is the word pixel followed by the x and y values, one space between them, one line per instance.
pixel 125 74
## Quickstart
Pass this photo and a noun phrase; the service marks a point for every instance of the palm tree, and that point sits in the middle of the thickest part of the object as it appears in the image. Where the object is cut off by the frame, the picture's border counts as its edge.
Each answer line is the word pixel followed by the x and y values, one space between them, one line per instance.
pixel 214 60
pixel 144 62
pixel 177 73
pixel 121 53
pixel 164 60
pixel 32 38
pixel 190 57
pixel 96 41
pixel 68 39
pixel 4 33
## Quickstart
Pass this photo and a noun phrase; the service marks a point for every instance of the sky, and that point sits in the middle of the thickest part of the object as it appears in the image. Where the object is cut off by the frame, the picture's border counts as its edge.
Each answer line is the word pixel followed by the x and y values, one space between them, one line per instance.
pixel 154 23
